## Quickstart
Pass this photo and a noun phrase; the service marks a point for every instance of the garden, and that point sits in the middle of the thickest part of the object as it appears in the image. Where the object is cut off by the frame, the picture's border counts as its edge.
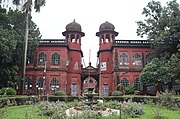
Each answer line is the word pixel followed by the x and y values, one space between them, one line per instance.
pixel 164 105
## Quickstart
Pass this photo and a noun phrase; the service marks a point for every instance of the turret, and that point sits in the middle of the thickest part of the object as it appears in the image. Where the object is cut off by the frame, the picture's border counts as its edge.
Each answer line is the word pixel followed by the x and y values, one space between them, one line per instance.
pixel 73 36
pixel 106 36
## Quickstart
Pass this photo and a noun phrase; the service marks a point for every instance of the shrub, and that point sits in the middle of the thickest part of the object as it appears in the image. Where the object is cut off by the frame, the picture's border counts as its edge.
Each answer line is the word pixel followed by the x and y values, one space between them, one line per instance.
pixel 112 104
pixel 129 90
pixel 116 93
pixel 56 110
pixel 7 91
pixel 60 93
pixel 166 99
pixel 132 109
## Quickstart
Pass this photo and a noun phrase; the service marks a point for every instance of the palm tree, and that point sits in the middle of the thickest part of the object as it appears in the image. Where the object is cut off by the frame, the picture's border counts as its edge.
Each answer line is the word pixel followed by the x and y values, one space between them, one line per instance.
pixel 27 7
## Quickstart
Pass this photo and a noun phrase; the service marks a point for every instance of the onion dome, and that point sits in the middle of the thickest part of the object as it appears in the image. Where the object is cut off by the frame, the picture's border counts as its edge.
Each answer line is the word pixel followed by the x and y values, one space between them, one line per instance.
pixel 73 26
pixel 106 27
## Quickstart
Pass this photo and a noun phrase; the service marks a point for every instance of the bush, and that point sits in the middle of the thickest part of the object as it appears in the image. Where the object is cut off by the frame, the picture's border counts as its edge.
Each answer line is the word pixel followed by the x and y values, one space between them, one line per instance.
pixel 60 93
pixel 132 109
pixel 55 110
pixel 166 99
pixel 116 93
pixel 7 91
pixel 129 90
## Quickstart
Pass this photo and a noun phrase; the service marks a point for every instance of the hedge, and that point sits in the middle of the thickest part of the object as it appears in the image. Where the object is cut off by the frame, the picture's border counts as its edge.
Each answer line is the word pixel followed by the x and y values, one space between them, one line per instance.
pixel 22 100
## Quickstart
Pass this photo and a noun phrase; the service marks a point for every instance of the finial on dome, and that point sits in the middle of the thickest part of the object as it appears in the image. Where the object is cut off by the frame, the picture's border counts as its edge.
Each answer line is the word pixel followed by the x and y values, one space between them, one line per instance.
pixel 74 20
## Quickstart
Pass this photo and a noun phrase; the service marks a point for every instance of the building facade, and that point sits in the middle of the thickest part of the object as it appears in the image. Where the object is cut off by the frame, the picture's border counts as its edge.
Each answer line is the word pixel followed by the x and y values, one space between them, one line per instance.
pixel 58 63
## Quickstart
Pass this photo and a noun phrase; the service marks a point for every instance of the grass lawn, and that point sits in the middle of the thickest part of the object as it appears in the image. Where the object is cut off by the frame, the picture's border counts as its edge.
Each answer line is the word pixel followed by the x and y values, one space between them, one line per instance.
pixel 21 112
pixel 32 112
pixel 152 110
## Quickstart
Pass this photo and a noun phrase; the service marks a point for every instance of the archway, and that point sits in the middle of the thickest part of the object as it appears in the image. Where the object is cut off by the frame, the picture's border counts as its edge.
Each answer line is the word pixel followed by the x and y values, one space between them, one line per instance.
pixel 88 82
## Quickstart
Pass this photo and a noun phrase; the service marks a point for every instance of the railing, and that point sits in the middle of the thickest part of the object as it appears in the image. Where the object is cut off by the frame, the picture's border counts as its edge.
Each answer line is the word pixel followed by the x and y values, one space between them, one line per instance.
pixel 53 42
pixel 131 43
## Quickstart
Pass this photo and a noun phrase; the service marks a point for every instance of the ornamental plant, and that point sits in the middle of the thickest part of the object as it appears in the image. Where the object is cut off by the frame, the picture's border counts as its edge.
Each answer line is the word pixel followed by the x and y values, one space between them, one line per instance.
pixel 7 91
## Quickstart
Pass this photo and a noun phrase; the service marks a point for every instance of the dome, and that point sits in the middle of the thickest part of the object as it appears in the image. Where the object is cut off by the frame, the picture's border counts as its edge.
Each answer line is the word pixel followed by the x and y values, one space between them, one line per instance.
pixel 106 27
pixel 73 26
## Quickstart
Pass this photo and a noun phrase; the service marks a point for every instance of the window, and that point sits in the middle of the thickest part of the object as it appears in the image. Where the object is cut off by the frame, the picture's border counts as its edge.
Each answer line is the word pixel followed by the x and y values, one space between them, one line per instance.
pixel 55 59
pixel 148 58
pixel 73 89
pixel 54 84
pixel 125 82
pixel 28 84
pixel 42 58
pixel 40 83
pixel 106 88
pixel 137 84
pixel 124 59
pixel 137 59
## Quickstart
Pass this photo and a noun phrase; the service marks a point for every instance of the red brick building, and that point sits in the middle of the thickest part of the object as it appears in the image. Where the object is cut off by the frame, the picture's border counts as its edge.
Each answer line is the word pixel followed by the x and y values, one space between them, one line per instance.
pixel 57 64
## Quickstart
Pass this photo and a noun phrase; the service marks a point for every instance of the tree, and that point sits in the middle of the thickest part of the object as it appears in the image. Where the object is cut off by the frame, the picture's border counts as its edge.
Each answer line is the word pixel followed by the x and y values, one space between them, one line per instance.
pixel 162 27
pixel 173 65
pixel 156 72
pixel 11 45
pixel 27 9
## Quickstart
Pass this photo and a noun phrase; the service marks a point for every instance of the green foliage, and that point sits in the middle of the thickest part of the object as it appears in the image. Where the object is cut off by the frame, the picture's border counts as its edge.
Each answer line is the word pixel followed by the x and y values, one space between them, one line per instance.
pixel 53 109
pixel 166 99
pixel 132 109
pixel 37 4
pixel 116 93
pixel 158 115
pixel 161 27
pixel 129 90
pixel 7 91
pixel 60 93
pixel 155 72
pixel 112 104
pixel 12 29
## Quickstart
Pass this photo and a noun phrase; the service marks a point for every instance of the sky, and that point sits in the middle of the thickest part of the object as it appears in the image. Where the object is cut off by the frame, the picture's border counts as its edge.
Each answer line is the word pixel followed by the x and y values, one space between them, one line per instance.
pixel 90 14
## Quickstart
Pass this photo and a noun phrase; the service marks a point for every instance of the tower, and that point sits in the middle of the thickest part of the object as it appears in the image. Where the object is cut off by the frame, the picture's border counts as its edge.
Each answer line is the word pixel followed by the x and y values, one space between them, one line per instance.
pixel 73 36
pixel 106 36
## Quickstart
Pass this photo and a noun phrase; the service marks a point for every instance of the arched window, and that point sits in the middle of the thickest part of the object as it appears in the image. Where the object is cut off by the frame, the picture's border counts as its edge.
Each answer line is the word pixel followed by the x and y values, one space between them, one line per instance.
pixel 137 84
pixel 42 58
pixel 54 84
pixel 28 84
pixel 124 59
pixel 137 60
pixel 40 83
pixel 125 82
pixel 148 58
pixel 55 59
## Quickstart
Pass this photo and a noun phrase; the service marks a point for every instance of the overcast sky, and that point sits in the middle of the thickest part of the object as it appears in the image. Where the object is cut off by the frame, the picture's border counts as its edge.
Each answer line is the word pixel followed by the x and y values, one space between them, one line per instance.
pixel 90 14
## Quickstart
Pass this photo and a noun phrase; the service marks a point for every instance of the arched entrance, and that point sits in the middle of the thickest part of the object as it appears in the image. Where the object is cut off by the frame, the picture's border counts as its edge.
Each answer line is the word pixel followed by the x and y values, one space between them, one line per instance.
pixel 90 78
pixel 90 83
